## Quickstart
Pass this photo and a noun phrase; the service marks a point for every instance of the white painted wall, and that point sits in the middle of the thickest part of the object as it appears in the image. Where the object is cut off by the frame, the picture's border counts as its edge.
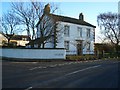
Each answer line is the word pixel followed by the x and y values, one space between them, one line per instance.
pixel 20 42
pixel 75 36
pixel 2 37
pixel 34 53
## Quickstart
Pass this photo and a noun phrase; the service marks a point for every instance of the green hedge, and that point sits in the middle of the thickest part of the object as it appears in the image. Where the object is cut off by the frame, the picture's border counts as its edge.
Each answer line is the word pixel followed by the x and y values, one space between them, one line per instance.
pixel 84 57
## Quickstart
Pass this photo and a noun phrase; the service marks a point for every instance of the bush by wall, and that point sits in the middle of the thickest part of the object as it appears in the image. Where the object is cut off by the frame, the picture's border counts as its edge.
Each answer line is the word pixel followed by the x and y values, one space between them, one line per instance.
pixel 83 57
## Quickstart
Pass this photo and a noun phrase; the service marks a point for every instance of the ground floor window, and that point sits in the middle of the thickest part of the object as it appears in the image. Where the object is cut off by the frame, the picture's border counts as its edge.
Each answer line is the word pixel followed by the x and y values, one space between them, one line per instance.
pixel 66 44
pixel 88 47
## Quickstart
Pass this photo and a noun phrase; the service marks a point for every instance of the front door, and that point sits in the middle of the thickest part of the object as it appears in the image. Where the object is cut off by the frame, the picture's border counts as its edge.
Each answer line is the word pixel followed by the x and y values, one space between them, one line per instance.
pixel 79 48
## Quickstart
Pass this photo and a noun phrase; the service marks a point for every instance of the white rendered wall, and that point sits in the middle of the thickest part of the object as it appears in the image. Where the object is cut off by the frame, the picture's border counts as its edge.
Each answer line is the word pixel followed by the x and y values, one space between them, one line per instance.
pixel 34 53
pixel 74 35
pixel 2 38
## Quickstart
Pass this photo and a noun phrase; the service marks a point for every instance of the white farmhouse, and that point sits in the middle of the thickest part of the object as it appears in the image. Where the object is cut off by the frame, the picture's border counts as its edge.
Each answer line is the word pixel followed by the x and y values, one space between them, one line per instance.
pixel 75 35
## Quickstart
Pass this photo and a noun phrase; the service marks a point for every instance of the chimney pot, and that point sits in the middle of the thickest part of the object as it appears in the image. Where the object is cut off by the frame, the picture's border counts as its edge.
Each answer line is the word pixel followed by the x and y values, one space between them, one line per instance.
pixel 81 17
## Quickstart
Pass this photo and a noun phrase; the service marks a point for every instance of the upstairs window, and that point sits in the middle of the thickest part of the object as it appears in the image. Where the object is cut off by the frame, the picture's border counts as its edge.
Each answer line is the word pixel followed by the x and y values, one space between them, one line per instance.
pixel 80 31
pixel 66 30
pixel 88 33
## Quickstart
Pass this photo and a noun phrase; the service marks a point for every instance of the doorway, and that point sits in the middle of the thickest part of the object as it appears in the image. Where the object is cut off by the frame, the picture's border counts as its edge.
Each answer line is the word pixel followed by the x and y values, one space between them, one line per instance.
pixel 79 48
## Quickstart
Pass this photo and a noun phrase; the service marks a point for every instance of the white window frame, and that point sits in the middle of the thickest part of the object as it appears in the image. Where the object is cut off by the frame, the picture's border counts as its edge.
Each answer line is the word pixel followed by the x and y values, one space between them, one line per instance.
pixel 67 45
pixel 80 31
pixel 88 32
pixel 88 46
pixel 66 30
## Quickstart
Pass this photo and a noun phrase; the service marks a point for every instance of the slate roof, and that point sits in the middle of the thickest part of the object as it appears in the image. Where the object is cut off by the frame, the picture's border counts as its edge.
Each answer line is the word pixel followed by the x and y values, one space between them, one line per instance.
pixel 69 20
pixel 19 37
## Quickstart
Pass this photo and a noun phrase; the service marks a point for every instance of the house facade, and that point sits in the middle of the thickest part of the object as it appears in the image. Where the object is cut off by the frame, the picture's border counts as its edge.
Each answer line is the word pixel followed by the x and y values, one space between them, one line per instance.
pixel 75 35
pixel 3 39
pixel 15 40
pixel 77 39
pixel 19 40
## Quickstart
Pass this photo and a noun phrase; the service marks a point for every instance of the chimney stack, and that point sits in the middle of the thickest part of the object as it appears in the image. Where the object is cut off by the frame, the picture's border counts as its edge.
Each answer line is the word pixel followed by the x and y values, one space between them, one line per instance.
pixel 81 17
pixel 47 9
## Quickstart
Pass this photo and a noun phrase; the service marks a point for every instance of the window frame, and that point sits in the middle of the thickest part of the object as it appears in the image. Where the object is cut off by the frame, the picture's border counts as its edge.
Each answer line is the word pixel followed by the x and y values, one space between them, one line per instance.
pixel 67 45
pixel 88 46
pixel 79 31
pixel 88 32
pixel 66 30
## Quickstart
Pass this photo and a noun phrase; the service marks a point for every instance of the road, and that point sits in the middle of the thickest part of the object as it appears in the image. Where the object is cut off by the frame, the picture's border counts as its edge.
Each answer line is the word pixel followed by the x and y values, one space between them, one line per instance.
pixel 79 74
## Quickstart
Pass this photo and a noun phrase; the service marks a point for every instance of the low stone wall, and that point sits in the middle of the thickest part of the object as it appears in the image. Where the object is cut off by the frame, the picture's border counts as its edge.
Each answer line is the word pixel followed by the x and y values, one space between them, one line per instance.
pixel 33 53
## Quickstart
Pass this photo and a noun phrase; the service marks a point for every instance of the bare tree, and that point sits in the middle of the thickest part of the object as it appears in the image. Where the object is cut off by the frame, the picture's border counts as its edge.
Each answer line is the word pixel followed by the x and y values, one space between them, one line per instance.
pixel 33 21
pixel 46 25
pixel 38 7
pixel 108 23
pixel 25 13
pixel 9 25
pixel 31 13
pixel 48 31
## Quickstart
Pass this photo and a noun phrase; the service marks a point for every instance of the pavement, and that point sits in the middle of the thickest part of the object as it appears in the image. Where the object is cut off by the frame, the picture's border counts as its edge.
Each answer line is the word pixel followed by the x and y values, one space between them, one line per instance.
pixel 61 74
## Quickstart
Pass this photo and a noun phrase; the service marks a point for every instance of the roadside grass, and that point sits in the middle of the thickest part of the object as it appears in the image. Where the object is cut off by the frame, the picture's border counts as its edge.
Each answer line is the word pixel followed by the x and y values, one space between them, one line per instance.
pixel 89 57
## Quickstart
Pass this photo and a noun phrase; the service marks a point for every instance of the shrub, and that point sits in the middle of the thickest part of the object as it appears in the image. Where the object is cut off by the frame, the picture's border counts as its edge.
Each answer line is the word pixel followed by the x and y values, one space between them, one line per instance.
pixel 84 57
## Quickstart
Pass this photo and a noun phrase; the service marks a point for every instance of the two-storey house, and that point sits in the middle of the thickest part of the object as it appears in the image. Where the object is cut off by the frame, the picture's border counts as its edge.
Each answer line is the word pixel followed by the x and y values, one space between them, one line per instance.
pixel 75 35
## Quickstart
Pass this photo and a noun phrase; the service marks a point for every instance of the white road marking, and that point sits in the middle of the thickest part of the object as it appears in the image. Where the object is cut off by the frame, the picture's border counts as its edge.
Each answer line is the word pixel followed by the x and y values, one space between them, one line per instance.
pixel 34 62
pixel 53 65
pixel 60 64
pixel 68 63
pixel 82 70
pixel 33 68
pixel 37 68
pixel 28 88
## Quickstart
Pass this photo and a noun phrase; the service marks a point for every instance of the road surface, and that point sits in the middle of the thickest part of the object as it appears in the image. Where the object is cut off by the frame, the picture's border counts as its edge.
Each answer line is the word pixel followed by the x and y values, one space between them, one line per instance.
pixel 79 74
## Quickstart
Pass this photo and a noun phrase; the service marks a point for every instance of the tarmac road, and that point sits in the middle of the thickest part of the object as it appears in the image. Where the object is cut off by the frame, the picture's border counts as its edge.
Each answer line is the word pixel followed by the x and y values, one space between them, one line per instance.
pixel 79 74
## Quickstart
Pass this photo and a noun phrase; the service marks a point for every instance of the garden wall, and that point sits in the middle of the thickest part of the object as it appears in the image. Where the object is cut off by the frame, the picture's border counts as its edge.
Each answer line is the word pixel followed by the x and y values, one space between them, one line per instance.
pixel 33 53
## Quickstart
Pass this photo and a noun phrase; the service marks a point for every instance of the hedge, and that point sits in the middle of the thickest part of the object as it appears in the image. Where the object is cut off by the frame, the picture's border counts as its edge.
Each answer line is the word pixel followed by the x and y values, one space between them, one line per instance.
pixel 84 57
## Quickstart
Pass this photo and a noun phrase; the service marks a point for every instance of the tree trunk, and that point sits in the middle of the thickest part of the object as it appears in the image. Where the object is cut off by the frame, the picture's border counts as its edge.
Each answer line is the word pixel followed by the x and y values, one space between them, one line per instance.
pixel 39 45
pixel 55 37
pixel 28 31
pixel 43 45
pixel 8 42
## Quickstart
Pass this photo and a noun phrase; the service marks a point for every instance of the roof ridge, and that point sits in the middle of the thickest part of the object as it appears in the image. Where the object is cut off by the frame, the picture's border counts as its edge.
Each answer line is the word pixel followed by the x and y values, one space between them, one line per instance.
pixel 64 16
pixel 68 19
pixel 76 20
